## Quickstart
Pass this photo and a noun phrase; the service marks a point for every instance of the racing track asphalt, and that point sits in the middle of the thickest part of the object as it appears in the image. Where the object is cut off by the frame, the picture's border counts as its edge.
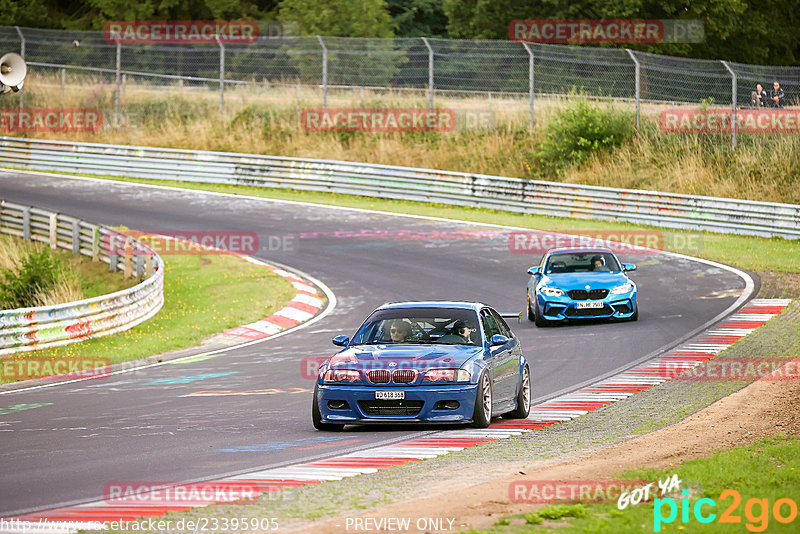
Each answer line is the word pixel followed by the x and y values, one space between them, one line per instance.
pixel 131 428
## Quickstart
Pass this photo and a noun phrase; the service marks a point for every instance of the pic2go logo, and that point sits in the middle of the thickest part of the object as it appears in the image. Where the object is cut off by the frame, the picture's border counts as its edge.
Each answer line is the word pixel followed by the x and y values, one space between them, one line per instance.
pixel 756 511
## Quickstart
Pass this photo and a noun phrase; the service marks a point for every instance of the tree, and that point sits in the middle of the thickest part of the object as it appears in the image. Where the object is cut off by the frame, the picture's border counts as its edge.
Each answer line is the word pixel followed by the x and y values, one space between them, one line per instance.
pixel 418 18
pixel 342 18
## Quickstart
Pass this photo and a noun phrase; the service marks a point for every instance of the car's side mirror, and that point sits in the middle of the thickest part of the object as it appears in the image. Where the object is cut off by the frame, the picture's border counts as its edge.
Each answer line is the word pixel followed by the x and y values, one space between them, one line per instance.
pixel 534 270
pixel 628 266
pixel 341 341
pixel 498 339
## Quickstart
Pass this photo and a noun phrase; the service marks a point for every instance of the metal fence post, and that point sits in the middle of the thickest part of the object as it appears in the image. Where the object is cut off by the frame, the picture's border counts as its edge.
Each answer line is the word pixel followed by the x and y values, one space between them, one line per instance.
pixel 324 72
pixel 734 126
pixel 117 82
pixel 430 72
pixel 53 231
pixel 530 84
pixel 21 53
pixel 26 223
pixel 221 74
pixel 638 84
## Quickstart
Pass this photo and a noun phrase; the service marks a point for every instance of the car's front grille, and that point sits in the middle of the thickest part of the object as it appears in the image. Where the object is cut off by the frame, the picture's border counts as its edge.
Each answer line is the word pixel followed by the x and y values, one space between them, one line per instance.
pixel 593 294
pixel 404 376
pixel 378 376
pixel 588 312
pixel 390 407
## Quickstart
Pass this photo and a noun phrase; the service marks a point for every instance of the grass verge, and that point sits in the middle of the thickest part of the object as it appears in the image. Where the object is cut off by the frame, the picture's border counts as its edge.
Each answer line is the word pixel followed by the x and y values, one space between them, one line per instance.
pixel 203 295
pixel 761 475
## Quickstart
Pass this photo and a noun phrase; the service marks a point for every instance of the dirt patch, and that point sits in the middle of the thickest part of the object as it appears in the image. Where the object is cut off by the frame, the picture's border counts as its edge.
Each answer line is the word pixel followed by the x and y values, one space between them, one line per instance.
pixel 756 412
pixel 779 285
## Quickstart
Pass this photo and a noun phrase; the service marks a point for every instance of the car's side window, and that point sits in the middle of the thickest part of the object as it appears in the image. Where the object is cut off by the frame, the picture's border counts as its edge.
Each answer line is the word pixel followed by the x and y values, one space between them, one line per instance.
pixel 490 325
pixel 504 329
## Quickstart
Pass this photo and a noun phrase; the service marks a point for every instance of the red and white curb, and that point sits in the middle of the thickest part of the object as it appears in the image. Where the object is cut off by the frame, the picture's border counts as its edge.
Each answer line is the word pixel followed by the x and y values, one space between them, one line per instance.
pixel 705 346
pixel 304 306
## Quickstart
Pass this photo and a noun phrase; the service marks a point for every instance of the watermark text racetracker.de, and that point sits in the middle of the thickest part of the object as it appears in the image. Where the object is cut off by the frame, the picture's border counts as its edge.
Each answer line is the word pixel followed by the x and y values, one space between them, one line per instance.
pixel 621 241
pixel 572 31
pixel 196 242
pixel 180 31
pixel 386 120
pixel 147 524
pixel 770 121
pixel 47 120
pixel 57 368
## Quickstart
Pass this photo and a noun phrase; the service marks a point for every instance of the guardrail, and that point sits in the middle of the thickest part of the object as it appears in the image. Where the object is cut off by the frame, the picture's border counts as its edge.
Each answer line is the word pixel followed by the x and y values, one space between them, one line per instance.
pixel 28 329
pixel 670 210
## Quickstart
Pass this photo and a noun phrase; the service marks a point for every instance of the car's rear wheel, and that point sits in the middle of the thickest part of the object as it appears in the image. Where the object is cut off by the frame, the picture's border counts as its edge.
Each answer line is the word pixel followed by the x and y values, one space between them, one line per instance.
pixel 523 397
pixel 537 315
pixel 316 416
pixel 482 414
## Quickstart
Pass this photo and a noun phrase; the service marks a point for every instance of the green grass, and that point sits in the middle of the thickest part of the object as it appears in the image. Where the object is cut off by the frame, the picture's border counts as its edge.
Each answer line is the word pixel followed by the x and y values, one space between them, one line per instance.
pixel 766 470
pixel 203 295
pixel 752 253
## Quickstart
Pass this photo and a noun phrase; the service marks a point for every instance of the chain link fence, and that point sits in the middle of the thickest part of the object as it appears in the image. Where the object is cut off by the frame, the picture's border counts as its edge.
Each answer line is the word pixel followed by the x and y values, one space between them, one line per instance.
pixel 434 68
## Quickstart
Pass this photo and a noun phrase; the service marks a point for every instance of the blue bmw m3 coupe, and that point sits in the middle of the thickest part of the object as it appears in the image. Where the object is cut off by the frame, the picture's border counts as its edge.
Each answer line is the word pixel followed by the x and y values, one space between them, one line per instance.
pixel 424 362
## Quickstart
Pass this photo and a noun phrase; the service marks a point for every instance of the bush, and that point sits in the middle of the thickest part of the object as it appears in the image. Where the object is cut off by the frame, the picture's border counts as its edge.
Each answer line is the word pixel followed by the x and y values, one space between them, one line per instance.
pixel 36 273
pixel 577 132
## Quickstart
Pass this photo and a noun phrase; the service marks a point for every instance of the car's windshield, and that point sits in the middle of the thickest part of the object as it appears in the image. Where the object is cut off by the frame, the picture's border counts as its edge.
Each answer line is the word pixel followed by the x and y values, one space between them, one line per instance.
pixel 420 325
pixel 583 262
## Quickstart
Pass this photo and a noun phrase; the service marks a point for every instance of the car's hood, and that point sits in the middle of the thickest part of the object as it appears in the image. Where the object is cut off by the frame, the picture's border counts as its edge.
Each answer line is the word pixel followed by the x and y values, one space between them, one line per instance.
pixel 404 355
pixel 569 281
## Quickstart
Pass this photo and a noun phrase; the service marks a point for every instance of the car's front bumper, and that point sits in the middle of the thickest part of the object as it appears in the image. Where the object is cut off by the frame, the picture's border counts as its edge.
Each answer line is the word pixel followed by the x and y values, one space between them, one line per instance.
pixel 563 308
pixel 363 408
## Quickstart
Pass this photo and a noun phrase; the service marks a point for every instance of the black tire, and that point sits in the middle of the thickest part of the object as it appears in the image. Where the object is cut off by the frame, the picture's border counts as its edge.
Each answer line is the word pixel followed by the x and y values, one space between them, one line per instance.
pixel 316 417
pixel 537 319
pixel 523 397
pixel 635 316
pixel 481 415
pixel 531 315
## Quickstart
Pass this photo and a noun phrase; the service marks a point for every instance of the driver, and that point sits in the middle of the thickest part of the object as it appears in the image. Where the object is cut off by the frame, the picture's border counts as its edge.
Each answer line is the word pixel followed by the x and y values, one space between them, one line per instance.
pixel 458 335
pixel 599 263
pixel 399 331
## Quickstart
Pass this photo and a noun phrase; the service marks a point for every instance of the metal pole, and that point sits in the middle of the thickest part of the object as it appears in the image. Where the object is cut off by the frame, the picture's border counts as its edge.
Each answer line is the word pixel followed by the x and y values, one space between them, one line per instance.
pixel 638 84
pixel 324 72
pixel 430 72
pixel 117 81
pixel 734 126
pixel 22 54
pixel 530 84
pixel 221 74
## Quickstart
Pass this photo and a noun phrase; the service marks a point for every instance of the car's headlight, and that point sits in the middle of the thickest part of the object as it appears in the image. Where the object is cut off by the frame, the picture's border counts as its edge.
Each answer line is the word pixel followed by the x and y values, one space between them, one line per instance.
pixel 446 375
pixel 341 375
pixel 624 288
pixel 551 291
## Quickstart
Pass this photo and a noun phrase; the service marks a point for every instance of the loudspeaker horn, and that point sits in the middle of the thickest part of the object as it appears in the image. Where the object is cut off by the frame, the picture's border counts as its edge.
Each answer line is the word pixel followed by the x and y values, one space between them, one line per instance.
pixel 12 72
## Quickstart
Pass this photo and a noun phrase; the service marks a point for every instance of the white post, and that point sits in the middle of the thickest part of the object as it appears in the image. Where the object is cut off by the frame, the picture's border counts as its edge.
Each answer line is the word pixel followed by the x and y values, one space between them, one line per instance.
pixel 638 84
pixel 22 54
pixel 530 84
pixel 430 72
pixel 221 74
pixel 117 82
pixel 733 102
pixel 324 72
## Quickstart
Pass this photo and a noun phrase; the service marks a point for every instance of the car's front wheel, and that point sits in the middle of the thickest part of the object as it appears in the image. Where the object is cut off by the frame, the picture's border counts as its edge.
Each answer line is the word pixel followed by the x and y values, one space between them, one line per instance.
pixel 635 316
pixel 531 315
pixel 523 397
pixel 482 414
pixel 316 416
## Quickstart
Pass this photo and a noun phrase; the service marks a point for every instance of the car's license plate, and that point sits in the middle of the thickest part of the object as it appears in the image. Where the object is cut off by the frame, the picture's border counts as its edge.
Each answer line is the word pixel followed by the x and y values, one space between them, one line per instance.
pixel 589 304
pixel 390 395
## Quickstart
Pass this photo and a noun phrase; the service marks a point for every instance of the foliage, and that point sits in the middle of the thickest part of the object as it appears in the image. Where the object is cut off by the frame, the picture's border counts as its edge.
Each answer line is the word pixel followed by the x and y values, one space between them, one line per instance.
pixel 578 131
pixel 342 18
pixel 418 18
pixel 36 273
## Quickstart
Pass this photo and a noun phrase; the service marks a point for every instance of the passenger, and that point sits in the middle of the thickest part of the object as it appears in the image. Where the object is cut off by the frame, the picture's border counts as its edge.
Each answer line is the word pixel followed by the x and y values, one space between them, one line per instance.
pixel 399 331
